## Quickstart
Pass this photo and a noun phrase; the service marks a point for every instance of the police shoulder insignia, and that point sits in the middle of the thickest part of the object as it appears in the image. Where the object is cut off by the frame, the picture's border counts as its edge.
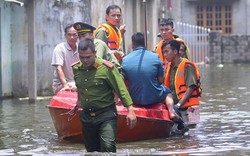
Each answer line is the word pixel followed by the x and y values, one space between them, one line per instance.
pixel 109 64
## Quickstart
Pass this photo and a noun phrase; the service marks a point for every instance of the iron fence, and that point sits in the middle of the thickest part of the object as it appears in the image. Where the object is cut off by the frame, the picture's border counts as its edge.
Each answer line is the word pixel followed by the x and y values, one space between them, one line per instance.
pixel 196 38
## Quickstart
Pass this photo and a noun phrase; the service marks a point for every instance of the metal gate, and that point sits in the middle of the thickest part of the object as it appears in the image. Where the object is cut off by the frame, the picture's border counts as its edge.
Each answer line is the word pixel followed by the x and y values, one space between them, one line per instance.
pixel 196 38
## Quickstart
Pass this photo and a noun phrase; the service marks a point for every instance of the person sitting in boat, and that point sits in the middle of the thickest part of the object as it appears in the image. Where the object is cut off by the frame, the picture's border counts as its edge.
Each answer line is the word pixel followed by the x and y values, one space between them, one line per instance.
pixel 144 72
pixel 96 80
pixel 182 77
pixel 64 55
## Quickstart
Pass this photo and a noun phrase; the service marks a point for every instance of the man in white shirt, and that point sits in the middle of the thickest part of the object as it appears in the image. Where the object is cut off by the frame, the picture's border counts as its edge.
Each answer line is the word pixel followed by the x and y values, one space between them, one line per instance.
pixel 64 55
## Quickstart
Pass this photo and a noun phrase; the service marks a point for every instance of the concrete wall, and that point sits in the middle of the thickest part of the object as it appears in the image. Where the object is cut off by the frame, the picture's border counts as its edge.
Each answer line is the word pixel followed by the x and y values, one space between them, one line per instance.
pixel 215 54
pixel 241 13
pixel 188 14
pixel 229 48
pixel 19 49
pixel 50 19
pixel 183 11
pixel 132 16
pixel 98 13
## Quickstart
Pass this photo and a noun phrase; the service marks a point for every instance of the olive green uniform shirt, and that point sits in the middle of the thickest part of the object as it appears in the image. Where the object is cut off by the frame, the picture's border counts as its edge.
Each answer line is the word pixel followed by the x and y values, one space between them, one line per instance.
pixel 97 84
pixel 189 75
pixel 102 35
pixel 103 51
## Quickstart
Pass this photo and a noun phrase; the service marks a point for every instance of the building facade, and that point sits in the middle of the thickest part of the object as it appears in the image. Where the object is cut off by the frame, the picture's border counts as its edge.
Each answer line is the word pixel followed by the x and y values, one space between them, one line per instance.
pixel 230 16
pixel 229 22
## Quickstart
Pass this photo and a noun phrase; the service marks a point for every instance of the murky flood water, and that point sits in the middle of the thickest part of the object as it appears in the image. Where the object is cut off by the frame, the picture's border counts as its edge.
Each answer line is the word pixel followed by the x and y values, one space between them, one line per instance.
pixel 27 129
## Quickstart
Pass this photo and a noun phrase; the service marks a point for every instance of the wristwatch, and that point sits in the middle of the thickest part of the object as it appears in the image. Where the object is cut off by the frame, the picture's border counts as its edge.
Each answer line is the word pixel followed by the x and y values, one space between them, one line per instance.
pixel 178 104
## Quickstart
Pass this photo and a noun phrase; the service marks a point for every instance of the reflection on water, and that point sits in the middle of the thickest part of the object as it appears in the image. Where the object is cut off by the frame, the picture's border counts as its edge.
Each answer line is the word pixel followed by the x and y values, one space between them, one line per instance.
pixel 27 129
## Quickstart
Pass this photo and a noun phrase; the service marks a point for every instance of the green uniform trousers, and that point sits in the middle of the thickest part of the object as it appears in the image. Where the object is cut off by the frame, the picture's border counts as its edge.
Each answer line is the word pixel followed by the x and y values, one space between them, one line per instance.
pixel 100 130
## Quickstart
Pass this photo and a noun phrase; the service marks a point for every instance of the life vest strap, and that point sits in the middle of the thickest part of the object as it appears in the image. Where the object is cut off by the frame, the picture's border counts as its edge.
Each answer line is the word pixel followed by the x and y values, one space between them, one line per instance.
pixel 112 42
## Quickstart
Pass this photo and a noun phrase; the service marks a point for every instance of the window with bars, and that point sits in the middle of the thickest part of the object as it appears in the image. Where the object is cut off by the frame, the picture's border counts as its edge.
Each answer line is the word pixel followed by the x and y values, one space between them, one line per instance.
pixel 215 17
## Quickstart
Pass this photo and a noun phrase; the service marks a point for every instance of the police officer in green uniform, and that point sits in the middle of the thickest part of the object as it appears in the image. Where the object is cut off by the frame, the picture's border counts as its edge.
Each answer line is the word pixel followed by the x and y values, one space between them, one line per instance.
pixel 96 80
pixel 86 31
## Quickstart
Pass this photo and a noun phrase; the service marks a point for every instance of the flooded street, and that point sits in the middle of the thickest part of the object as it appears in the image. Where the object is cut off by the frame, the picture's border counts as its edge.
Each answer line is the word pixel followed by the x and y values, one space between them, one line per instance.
pixel 27 129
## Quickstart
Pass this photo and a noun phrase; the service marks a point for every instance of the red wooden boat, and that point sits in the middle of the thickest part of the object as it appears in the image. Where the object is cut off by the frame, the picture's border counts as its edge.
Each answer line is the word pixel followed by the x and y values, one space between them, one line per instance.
pixel 152 122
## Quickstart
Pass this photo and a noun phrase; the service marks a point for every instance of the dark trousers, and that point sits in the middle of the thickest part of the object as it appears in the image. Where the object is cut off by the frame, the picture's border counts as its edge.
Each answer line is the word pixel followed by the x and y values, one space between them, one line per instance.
pixel 179 122
pixel 99 132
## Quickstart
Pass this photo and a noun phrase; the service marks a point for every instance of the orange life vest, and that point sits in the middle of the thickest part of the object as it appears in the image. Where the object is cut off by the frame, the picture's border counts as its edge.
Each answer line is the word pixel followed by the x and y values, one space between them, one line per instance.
pixel 180 85
pixel 159 52
pixel 114 37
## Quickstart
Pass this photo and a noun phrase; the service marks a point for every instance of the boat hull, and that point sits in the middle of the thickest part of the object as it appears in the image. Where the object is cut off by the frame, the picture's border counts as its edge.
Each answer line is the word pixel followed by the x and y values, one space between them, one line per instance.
pixel 152 122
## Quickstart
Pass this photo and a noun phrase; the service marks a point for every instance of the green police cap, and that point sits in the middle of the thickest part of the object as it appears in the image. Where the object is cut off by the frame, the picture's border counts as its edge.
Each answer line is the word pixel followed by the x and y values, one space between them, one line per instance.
pixel 83 27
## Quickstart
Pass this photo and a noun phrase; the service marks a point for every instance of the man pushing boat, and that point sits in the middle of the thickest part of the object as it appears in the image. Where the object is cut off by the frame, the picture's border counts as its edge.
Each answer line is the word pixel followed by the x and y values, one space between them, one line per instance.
pixel 96 80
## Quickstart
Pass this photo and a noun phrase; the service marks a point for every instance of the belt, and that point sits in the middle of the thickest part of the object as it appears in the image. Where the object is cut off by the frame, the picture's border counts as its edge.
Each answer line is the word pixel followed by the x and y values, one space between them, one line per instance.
pixel 94 113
